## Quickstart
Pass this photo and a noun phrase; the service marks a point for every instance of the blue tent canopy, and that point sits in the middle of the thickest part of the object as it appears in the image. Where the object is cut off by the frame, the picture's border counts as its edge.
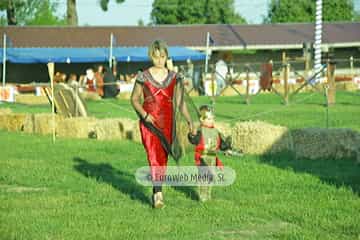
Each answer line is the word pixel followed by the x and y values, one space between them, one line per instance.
pixel 58 55
pixel 140 54
pixel 76 55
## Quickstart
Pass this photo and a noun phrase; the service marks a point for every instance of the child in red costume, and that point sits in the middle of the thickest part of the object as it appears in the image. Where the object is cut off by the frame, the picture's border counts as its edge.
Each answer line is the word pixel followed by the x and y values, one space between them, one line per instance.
pixel 208 141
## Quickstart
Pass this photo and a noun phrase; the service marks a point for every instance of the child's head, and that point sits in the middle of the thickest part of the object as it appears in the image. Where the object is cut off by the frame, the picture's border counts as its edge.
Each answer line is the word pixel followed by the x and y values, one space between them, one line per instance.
pixel 158 53
pixel 206 116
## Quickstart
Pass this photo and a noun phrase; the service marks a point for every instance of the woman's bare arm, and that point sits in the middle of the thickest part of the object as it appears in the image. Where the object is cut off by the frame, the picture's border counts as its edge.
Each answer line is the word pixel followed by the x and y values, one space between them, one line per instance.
pixel 136 99
pixel 181 105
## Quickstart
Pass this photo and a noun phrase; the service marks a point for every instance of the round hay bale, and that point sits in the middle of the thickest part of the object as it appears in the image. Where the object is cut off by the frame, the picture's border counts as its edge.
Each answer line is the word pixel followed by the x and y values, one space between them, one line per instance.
pixel 79 127
pixel 13 121
pixel 5 111
pixel 109 129
pixel 260 138
pixel 319 143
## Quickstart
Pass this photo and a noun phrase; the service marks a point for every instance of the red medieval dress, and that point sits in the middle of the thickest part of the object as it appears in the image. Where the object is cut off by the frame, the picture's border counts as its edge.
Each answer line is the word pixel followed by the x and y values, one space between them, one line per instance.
pixel 157 137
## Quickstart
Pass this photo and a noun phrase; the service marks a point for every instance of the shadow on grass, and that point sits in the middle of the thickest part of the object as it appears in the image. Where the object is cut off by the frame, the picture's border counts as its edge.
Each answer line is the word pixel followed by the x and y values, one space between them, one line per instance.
pixel 189 192
pixel 339 173
pixel 120 180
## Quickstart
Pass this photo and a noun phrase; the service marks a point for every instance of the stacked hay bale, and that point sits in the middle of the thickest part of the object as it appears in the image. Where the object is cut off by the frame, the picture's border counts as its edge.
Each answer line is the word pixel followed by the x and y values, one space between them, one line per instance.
pixel 80 127
pixel 5 111
pixel 261 138
pixel 130 129
pixel 193 93
pixel 90 96
pixel 109 129
pixel 317 143
pixel 31 99
pixel 347 86
pixel 43 123
pixel 124 95
pixel 229 91
pixel 13 121
pixel 29 125
pixel 224 128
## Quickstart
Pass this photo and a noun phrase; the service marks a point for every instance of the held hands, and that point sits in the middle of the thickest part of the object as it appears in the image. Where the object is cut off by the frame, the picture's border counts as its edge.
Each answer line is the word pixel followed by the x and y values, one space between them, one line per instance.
pixel 192 130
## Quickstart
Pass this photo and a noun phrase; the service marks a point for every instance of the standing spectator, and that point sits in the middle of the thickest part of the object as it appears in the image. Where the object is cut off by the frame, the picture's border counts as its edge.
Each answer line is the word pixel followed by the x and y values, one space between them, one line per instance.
pixel 221 71
pixel 99 75
pixel 90 80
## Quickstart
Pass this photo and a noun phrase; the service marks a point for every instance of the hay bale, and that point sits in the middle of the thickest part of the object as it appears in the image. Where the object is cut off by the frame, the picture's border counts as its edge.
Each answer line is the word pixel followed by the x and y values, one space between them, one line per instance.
pixel 350 86
pixel 224 128
pixel 131 129
pixel 43 123
pixel 136 134
pixel 182 130
pixel 260 138
pixel 229 91
pixel 29 124
pixel 5 111
pixel 13 121
pixel 109 129
pixel 31 99
pixel 90 96
pixel 79 127
pixel 193 93
pixel 318 143
pixel 124 95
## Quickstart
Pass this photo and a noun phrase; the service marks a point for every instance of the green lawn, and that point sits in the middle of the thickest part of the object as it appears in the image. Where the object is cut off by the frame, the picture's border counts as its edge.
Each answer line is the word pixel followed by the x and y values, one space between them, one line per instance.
pixel 85 189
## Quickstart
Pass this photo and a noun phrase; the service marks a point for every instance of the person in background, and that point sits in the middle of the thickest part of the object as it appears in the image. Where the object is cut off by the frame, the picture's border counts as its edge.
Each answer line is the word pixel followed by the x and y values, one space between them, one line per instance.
pixel 72 81
pixel 90 80
pixel 221 70
pixel 99 76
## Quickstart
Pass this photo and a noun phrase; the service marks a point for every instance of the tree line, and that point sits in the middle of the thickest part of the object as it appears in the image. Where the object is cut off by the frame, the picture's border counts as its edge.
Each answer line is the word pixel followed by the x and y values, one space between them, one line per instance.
pixel 44 12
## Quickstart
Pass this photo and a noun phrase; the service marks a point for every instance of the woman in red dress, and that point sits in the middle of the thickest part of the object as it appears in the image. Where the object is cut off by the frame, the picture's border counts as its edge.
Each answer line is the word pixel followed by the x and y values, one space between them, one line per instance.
pixel 162 93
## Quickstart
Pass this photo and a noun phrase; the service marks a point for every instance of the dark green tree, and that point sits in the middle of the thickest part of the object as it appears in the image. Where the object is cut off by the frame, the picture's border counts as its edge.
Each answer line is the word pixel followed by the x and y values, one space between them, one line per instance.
pixel 105 3
pixel 194 12
pixel 31 12
pixel 304 11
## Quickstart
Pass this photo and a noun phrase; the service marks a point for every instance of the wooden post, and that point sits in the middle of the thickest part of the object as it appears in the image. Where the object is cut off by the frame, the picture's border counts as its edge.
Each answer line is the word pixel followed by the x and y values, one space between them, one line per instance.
pixel 247 85
pixel 307 65
pixel 331 83
pixel 51 69
pixel 352 67
pixel 286 83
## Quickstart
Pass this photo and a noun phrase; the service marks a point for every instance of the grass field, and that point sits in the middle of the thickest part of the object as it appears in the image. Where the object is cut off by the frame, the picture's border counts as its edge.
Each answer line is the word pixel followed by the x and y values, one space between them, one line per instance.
pixel 85 189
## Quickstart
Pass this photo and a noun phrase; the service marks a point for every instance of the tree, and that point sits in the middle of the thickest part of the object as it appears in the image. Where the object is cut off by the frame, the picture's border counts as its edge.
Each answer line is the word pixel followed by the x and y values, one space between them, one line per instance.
pixel 10 6
pixel 72 18
pixel 192 12
pixel 104 4
pixel 140 22
pixel 304 11
pixel 31 12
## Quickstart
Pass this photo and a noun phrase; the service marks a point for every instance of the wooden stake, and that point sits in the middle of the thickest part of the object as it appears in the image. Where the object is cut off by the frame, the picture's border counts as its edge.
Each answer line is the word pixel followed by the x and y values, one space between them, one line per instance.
pixel 331 83
pixel 51 70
